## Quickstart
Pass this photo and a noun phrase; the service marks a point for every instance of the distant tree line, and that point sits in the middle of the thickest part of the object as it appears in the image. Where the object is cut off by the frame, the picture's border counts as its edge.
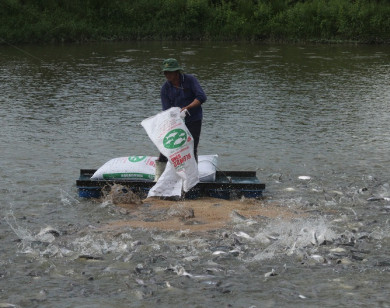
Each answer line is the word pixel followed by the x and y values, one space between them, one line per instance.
pixel 41 21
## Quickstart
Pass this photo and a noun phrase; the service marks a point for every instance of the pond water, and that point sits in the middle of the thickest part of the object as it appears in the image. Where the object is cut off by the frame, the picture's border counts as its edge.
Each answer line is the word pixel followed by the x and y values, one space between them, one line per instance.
pixel 312 120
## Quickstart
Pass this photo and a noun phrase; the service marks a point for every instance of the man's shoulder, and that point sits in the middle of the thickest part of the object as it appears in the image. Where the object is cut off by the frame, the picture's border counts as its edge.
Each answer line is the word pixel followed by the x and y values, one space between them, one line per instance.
pixel 165 85
pixel 189 77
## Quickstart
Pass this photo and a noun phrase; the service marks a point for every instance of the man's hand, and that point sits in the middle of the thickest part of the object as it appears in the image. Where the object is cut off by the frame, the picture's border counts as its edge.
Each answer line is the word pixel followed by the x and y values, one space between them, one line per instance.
pixel 183 112
pixel 195 103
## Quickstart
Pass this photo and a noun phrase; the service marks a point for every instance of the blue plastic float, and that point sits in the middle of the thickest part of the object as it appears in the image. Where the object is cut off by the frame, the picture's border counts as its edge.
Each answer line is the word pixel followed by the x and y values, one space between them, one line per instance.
pixel 227 185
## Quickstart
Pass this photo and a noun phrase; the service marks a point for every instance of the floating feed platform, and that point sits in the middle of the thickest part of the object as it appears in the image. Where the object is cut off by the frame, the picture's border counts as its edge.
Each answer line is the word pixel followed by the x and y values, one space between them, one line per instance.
pixel 227 185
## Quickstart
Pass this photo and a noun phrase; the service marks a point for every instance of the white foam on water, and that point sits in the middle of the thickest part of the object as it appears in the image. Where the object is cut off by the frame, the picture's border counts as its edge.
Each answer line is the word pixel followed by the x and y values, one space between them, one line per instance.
pixel 92 244
pixel 51 251
pixel 381 233
pixel 67 199
pixel 43 243
pixel 123 60
pixel 22 233
pixel 289 237
pixel 28 238
pixel 290 189
pixel 105 204
pixel 188 247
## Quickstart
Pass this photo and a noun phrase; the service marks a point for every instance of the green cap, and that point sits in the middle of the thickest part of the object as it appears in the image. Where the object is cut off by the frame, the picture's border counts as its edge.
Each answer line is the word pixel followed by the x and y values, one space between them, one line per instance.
pixel 171 65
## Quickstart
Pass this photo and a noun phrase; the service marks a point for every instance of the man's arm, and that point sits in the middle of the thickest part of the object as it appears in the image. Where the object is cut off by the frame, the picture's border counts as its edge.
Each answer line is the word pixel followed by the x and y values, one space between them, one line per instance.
pixel 165 101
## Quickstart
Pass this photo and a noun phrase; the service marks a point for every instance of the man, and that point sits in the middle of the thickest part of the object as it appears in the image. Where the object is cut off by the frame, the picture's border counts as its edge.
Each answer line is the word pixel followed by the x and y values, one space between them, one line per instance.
pixel 183 91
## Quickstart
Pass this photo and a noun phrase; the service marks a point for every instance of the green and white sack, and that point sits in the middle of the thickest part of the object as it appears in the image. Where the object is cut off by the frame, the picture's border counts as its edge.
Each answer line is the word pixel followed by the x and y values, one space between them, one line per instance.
pixel 131 168
pixel 172 138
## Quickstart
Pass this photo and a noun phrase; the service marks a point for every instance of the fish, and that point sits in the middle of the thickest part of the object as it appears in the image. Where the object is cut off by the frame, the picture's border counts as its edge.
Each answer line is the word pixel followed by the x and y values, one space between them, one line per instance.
pixel 140 282
pixel 243 235
pixel 89 257
pixel 292 249
pixel 318 258
pixel 289 189
pixel 237 216
pixel 378 199
pixel 178 141
pixel 271 273
pixel 218 252
pixel 191 258
pixel 235 252
pixel 171 135
pixel 49 230
pixel 318 239
pixel 337 249
pixel 180 271
pixel 362 190
pixel 263 238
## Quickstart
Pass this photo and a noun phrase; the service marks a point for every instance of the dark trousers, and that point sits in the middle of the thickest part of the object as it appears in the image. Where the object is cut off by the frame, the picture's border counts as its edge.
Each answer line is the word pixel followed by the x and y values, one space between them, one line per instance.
pixel 194 128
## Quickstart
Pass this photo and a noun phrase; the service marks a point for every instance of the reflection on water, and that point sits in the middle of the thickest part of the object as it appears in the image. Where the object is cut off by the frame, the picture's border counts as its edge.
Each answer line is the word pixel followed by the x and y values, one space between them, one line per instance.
pixel 312 120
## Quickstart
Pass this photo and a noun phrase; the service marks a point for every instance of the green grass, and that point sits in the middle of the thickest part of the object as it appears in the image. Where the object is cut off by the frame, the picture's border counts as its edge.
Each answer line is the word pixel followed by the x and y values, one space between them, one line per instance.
pixel 43 21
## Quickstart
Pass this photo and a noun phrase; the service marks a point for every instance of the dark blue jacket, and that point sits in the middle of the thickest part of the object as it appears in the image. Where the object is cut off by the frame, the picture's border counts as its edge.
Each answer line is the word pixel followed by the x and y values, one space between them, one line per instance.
pixel 183 96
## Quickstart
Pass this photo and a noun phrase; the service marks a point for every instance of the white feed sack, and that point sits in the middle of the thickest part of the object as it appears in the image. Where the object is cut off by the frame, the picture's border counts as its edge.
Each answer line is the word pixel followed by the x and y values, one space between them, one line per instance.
pixel 168 185
pixel 207 167
pixel 132 168
pixel 172 138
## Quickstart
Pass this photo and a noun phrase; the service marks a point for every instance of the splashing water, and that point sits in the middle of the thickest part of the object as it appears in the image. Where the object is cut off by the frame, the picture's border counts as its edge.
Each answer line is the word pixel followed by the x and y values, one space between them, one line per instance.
pixel 290 237
pixel 22 233
pixel 67 199
pixel 45 236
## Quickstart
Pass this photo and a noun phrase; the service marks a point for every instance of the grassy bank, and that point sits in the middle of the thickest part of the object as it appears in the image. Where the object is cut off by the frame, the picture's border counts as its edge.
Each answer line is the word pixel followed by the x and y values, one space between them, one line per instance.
pixel 41 21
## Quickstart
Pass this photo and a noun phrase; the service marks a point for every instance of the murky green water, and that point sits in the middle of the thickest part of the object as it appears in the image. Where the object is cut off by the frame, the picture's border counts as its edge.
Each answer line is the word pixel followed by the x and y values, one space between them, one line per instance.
pixel 285 111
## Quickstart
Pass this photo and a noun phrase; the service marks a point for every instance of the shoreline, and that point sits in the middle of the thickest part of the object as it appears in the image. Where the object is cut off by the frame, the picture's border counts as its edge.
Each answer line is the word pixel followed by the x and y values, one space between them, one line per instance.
pixel 28 21
pixel 254 42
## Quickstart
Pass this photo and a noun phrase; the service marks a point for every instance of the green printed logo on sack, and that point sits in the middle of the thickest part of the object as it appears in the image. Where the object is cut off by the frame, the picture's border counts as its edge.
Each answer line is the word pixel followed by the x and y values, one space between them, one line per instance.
pixel 175 138
pixel 136 159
